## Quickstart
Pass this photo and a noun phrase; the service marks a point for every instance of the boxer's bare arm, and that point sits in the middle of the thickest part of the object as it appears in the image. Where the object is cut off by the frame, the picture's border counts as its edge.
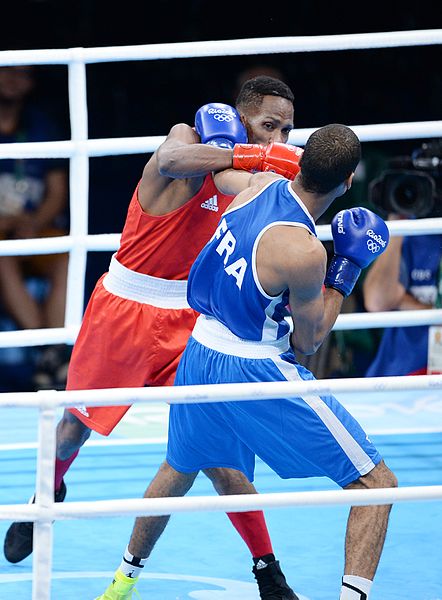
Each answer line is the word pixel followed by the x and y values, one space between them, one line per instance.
pixel 176 171
pixel 178 157
pixel 291 257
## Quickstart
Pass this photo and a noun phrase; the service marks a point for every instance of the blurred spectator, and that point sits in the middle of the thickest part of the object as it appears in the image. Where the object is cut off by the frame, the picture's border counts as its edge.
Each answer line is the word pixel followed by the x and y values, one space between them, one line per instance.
pixel 406 277
pixel 33 201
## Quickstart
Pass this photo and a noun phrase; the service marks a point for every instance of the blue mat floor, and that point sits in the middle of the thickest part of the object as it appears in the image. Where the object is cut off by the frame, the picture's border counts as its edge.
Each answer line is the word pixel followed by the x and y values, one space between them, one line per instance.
pixel 200 555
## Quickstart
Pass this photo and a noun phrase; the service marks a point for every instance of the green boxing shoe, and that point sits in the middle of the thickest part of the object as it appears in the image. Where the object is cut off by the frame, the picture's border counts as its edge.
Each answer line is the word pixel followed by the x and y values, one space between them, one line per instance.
pixel 121 588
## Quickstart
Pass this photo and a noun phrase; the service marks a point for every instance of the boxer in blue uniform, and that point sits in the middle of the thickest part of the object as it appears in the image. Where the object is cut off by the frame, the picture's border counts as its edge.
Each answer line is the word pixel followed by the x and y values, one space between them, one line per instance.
pixel 263 257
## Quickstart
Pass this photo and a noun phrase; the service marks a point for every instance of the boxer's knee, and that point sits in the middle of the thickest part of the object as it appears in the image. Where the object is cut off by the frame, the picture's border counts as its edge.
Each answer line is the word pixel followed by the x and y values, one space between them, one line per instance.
pixel 229 481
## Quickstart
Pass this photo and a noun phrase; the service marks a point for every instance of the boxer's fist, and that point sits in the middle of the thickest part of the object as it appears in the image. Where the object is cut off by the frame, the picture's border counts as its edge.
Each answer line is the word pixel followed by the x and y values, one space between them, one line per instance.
pixel 276 157
pixel 359 236
pixel 220 125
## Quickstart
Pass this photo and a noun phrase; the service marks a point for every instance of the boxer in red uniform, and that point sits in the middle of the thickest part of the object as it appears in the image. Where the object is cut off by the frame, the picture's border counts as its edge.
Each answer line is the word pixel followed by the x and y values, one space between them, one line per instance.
pixel 137 321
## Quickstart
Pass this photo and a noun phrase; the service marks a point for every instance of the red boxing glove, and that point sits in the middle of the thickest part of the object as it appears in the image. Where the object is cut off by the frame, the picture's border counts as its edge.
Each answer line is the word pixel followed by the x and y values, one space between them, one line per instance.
pixel 276 157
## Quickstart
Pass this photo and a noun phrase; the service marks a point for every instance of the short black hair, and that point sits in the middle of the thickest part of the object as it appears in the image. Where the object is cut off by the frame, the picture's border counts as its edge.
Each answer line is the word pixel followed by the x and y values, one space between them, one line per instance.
pixel 330 156
pixel 253 90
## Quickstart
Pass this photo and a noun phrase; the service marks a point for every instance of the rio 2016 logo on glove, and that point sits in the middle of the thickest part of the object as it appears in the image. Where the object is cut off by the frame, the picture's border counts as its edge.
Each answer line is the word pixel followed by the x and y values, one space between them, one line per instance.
pixel 373 247
pixel 220 125
pixel 225 115
pixel 374 244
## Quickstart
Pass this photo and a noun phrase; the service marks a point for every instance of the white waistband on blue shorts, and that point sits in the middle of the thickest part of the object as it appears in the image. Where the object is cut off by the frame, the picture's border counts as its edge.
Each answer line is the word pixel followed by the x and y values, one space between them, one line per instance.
pixel 163 293
pixel 213 334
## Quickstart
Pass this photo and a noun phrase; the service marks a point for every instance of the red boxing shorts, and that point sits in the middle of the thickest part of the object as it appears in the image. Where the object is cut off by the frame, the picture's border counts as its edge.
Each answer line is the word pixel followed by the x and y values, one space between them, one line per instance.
pixel 134 331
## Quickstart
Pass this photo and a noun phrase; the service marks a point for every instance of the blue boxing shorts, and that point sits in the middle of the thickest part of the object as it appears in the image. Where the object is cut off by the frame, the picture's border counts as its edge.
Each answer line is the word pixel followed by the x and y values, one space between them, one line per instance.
pixel 297 437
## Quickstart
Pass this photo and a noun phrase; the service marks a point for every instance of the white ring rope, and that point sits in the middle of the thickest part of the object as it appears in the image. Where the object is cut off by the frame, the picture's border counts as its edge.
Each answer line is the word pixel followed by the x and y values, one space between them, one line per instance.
pixel 110 241
pixel 356 41
pixel 222 392
pixel 146 144
pixel 79 149
pixel 167 506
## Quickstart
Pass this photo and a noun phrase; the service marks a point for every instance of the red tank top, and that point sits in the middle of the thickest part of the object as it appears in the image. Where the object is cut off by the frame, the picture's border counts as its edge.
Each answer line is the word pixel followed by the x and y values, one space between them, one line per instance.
pixel 166 246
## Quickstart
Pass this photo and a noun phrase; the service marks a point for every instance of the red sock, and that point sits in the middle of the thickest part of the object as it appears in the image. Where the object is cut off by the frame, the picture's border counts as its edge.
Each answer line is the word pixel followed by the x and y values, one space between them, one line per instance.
pixel 252 527
pixel 61 467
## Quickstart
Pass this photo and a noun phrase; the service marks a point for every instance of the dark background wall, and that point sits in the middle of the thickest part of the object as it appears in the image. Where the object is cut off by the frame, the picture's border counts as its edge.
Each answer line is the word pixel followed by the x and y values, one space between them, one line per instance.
pixel 146 98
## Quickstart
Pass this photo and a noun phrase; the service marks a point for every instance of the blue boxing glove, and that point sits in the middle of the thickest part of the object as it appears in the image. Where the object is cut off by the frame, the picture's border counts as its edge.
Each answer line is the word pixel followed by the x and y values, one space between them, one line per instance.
pixel 220 125
pixel 359 236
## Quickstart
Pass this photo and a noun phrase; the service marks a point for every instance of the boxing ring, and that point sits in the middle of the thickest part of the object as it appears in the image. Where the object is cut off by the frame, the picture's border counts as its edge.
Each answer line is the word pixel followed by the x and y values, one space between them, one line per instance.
pixel 79 149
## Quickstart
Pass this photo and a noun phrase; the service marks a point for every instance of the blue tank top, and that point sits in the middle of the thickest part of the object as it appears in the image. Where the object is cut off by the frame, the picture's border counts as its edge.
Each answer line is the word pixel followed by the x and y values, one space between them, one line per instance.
pixel 404 350
pixel 223 281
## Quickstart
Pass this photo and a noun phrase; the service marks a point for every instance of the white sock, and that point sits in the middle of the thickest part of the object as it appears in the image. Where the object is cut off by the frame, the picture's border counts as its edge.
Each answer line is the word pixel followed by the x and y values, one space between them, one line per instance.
pixel 355 588
pixel 131 565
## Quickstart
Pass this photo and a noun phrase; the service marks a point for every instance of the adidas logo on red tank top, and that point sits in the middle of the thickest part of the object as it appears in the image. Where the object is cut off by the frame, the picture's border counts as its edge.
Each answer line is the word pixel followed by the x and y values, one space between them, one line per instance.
pixel 211 203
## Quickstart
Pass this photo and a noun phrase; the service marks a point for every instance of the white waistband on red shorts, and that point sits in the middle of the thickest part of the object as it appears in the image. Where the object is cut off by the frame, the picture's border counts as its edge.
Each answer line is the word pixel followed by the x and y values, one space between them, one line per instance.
pixel 215 335
pixel 163 293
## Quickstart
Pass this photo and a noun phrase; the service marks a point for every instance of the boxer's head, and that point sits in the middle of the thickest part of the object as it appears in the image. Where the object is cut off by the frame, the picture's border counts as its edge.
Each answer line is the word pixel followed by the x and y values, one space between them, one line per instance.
pixel 266 108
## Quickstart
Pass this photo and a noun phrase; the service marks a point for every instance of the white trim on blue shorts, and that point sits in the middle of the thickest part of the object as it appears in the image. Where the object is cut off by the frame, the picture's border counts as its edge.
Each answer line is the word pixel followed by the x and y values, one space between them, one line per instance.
pixel 352 449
